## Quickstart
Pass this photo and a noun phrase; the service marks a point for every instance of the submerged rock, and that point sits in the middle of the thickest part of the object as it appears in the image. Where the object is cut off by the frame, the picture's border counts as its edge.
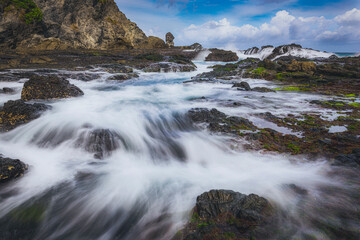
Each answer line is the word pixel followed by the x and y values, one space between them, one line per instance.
pixel 101 142
pixel 7 90
pixel 225 214
pixel 220 55
pixel 15 113
pixel 49 87
pixel 11 169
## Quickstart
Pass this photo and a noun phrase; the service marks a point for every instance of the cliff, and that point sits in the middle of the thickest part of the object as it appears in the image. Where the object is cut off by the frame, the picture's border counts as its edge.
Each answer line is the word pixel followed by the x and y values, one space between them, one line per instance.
pixel 69 24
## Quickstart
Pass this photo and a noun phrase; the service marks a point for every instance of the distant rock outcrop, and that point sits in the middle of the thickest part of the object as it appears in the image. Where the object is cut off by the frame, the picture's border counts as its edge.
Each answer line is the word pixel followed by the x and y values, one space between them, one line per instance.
pixel 69 24
pixel 169 39
pixel 290 50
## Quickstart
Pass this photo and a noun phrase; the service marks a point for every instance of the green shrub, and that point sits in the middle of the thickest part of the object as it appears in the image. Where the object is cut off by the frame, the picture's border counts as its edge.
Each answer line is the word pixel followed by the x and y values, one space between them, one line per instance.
pixel 32 12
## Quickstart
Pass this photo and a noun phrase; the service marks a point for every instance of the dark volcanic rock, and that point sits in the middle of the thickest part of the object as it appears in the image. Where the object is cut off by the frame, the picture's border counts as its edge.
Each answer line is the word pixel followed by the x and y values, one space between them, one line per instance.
pixel 49 87
pixel 11 169
pixel 220 212
pixel 219 55
pixel 15 113
pixel 243 86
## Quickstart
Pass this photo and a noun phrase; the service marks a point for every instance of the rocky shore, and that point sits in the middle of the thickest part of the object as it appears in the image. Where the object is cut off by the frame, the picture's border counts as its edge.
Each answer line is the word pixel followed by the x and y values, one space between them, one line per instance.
pixel 49 44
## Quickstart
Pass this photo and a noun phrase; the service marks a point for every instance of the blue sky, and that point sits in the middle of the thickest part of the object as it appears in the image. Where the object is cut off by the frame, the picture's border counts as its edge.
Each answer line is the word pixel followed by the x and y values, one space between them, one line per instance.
pixel 324 25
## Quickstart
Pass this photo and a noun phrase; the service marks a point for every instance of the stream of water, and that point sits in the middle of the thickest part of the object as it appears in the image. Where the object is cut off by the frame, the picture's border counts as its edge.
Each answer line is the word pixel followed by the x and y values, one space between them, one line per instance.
pixel 146 188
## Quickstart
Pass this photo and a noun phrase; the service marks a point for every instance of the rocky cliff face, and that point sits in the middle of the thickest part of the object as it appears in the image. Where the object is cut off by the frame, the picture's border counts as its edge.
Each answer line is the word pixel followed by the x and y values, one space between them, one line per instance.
pixel 63 24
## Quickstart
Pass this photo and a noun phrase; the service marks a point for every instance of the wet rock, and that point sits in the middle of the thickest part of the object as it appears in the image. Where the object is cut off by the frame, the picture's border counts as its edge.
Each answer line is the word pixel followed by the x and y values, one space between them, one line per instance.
pixel 220 55
pixel 242 86
pixel 101 142
pixel 169 67
pixel 11 169
pixel 49 87
pixel 225 214
pixel 262 89
pixel 283 49
pixel 15 113
pixel 169 39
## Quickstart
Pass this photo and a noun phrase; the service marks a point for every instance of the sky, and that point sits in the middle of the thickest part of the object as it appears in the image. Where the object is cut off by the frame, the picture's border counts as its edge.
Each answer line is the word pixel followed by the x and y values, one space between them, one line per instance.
pixel 240 24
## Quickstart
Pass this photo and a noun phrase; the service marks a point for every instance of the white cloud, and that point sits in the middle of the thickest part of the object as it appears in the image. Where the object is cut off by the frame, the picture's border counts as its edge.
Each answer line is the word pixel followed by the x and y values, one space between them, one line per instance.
pixel 282 28
pixel 351 18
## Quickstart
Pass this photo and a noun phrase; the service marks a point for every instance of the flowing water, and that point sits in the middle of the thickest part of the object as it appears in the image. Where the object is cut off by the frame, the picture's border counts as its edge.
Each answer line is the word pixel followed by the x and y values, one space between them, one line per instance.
pixel 146 185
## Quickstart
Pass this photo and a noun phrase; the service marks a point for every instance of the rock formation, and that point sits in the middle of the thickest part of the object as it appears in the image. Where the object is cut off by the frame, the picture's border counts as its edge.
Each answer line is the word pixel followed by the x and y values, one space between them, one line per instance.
pixel 69 24
pixel 169 39
pixel 222 55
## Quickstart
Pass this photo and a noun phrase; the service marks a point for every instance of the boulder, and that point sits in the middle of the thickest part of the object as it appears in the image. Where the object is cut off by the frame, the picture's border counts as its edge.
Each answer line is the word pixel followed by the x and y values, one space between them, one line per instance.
pixel 15 113
pixel 169 40
pixel 219 55
pixel 49 87
pixel 242 86
pixel 225 214
pixel 11 169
